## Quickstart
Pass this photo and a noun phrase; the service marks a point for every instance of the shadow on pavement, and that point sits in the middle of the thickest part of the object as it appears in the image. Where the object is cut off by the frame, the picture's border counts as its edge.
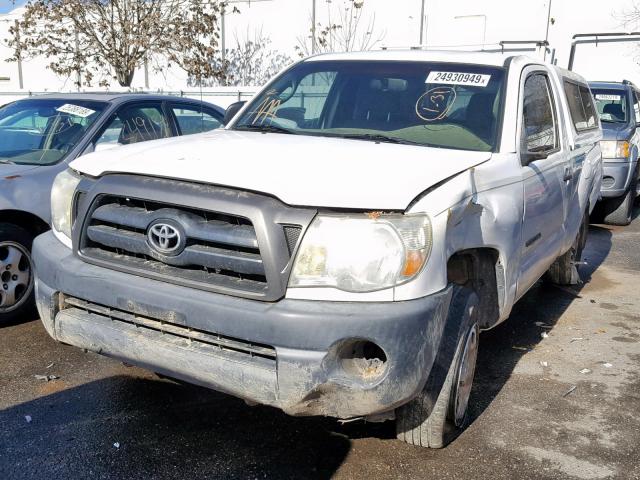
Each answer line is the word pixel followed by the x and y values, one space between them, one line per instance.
pixel 163 430
pixel 502 347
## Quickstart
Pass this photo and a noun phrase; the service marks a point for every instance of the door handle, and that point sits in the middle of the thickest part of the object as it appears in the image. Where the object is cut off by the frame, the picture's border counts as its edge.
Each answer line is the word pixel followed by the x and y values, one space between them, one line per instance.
pixel 568 174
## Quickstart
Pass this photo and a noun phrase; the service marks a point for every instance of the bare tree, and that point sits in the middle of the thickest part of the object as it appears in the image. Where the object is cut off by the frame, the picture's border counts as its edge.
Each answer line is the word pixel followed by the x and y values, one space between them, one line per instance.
pixel 251 62
pixel 347 29
pixel 105 39
pixel 629 18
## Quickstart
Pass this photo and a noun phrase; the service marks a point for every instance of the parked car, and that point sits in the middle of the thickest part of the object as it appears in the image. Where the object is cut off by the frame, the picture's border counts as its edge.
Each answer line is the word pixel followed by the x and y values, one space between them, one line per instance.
pixel 618 107
pixel 39 136
pixel 363 219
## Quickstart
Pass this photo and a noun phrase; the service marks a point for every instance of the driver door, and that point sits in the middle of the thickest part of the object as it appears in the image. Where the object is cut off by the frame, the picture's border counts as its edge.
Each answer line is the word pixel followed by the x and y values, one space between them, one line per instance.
pixel 544 163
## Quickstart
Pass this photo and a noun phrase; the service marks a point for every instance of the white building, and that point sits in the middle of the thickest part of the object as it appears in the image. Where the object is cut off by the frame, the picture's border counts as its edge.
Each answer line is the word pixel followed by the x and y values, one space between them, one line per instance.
pixel 447 23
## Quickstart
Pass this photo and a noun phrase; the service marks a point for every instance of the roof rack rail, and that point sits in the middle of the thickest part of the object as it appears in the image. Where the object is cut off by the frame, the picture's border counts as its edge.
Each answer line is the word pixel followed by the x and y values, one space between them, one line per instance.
pixel 596 38
pixel 503 46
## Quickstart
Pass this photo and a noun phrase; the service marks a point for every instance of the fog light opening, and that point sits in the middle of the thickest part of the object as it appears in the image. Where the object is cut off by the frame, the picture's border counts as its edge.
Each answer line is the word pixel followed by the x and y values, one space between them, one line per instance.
pixel 608 182
pixel 363 360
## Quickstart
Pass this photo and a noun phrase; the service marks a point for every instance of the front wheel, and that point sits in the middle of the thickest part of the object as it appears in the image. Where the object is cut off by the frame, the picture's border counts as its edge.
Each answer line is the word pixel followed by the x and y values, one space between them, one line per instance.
pixel 16 273
pixel 619 211
pixel 426 423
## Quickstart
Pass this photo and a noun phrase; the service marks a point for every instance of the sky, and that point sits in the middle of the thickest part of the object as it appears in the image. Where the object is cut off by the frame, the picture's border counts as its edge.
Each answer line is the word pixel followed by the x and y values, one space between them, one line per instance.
pixel 448 23
pixel 6 5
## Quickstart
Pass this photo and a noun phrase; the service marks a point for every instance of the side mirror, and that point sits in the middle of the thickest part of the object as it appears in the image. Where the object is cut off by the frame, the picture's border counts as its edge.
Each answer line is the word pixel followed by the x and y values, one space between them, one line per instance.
pixel 232 110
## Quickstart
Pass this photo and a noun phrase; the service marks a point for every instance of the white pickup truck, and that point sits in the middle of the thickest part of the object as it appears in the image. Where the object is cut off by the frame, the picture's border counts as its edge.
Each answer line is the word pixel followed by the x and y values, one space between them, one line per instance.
pixel 337 249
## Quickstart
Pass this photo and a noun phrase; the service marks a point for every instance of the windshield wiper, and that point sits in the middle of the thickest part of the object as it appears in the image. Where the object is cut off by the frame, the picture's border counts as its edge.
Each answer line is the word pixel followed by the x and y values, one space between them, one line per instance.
pixel 2 160
pixel 376 137
pixel 264 129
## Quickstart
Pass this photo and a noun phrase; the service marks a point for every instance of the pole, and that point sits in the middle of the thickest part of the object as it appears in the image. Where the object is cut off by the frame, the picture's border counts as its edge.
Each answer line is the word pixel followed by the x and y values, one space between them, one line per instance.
pixel 546 37
pixel 313 27
pixel 146 73
pixel 78 73
pixel 422 22
pixel 222 36
pixel 20 79
pixel 484 32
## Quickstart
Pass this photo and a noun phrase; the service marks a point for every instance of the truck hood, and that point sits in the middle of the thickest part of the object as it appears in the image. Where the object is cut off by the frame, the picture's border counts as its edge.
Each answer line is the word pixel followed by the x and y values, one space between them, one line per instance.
pixel 617 131
pixel 298 169
pixel 11 170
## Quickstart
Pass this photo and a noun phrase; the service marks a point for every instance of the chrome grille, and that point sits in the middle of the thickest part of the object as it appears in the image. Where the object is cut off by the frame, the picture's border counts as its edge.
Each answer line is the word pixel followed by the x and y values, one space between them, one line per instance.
pixel 219 248
pixel 223 240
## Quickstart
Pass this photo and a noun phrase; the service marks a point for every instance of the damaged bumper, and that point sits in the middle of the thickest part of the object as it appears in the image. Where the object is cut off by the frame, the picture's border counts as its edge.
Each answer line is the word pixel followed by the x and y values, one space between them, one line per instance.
pixel 305 357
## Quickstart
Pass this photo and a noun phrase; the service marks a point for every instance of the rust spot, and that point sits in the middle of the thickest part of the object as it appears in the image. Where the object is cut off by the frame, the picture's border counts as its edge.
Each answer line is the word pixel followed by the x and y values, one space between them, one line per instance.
pixel 12 177
pixel 374 215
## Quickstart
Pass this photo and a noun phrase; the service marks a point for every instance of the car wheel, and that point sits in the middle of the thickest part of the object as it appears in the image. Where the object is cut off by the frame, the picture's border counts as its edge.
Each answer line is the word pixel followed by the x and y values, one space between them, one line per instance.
pixel 618 211
pixel 564 271
pixel 426 423
pixel 16 274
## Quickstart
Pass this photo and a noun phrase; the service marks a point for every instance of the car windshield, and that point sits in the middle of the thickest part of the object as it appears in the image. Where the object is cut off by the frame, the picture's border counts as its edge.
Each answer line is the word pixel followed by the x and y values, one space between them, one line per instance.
pixel 612 105
pixel 445 105
pixel 42 132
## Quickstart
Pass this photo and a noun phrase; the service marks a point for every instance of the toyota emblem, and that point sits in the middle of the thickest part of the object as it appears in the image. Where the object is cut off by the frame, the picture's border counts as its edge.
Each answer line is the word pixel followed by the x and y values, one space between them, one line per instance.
pixel 165 238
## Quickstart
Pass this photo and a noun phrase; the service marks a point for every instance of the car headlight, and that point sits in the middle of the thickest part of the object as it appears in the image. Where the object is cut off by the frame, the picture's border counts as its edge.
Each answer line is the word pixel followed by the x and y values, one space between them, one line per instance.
pixel 64 187
pixel 362 253
pixel 614 149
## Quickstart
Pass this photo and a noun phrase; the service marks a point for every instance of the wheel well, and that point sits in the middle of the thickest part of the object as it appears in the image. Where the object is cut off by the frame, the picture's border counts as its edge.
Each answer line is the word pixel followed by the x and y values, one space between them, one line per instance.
pixel 30 222
pixel 481 268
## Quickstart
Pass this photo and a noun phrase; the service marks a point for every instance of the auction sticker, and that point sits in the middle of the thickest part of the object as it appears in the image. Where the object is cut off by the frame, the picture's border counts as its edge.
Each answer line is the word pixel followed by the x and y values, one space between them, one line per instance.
pixel 76 110
pixel 459 78
pixel 607 97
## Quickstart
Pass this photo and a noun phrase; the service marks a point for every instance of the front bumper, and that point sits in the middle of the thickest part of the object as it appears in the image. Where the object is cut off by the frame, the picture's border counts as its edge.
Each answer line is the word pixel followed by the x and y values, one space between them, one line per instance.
pixel 616 177
pixel 153 324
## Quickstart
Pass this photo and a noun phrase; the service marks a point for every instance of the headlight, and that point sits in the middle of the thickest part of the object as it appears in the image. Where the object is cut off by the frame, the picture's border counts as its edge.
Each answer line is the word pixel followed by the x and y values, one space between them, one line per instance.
pixel 614 149
pixel 361 253
pixel 64 186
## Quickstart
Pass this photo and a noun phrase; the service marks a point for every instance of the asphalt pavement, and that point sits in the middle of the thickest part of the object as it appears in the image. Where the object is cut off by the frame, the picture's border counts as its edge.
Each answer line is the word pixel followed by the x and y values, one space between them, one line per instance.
pixel 557 396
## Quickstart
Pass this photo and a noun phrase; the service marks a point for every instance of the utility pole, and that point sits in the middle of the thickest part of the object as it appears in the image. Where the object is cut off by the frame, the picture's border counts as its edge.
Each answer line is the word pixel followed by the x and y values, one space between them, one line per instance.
pixel 313 27
pixel 422 22
pixel 78 72
pixel 146 72
pixel 546 37
pixel 20 79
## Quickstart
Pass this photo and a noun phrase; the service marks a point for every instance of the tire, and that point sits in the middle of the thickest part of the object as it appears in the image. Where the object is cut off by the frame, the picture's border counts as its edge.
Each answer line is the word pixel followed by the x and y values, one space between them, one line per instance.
pixel 564 270
pixel 430 423
pixel 619 211
pixel 16 274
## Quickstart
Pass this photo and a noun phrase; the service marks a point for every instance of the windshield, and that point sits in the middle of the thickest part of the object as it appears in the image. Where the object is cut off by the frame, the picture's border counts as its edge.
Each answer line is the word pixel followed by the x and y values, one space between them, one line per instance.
pixel 42 132
pixel 445 105
pixel 612 105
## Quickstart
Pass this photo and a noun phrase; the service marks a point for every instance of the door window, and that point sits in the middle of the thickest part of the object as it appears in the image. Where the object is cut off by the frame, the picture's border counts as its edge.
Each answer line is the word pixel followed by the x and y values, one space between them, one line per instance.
pixel 589 109
pixel 583 112
pixel 136 123
pixel 193 119
pixel 636 106
pixel 540 132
